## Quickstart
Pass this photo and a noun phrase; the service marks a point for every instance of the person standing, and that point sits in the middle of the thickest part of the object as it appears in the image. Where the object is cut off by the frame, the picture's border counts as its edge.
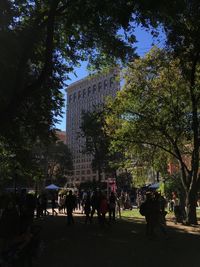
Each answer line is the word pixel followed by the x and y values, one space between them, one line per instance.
pixel 177 208
pixel 87 208
pixel 112 206
pixel 103 209
pixel 70 204
pixel 53 205
pixel 95 203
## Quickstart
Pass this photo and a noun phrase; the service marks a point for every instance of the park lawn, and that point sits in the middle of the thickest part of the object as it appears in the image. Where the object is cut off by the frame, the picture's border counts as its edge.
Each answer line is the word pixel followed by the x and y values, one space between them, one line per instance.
pixel 134 213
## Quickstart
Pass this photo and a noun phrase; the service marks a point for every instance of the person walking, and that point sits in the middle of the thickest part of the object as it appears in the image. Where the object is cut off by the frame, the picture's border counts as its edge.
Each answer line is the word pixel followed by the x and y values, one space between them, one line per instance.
pixel 95 203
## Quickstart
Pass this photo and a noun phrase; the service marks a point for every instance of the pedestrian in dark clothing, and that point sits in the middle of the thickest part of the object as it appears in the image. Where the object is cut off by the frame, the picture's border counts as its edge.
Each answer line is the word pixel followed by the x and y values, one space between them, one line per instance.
pixel 103 209
pixel 159 213
pixel 149 215
pixel 31 205
pixel 112 206
pixel 87 209
pixel 70 203
pixel 39 209
pixel 53 205
pixel 9 223
pixel 44 205
pixel 95 203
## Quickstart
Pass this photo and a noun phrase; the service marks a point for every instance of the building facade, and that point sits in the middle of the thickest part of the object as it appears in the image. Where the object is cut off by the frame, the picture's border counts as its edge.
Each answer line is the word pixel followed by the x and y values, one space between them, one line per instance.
pixel 83 96
pixel 61 135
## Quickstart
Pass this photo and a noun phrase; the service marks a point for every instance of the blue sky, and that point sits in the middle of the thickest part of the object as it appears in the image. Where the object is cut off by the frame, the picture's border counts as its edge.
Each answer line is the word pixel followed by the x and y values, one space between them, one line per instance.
pixel 144 43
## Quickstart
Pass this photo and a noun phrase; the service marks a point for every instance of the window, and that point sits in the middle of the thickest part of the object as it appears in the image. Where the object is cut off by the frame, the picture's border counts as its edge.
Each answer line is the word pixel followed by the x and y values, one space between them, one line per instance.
pixel 94 88
pixel 84 93
pixel 89 90
pixel 112 81
pixel 105 84
pixel 74 97
pixel 99 86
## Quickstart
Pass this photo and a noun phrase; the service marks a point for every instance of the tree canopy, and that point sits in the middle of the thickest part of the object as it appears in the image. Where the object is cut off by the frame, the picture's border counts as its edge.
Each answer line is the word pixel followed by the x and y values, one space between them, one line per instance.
pixel 41 41
pixel 97 142
pixel 155 110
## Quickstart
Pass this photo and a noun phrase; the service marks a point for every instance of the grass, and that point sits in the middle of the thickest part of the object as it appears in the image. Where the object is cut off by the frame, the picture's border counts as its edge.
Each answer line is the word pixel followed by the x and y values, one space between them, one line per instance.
pixel 134 213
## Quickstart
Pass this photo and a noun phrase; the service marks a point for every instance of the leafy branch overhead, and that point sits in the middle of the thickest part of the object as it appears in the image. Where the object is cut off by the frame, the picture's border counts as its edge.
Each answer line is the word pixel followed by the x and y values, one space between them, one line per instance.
pixel 156 111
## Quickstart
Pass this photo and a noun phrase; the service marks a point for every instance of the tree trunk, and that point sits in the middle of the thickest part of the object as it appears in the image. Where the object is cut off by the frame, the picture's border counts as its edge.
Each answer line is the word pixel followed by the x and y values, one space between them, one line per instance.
pixel 191 203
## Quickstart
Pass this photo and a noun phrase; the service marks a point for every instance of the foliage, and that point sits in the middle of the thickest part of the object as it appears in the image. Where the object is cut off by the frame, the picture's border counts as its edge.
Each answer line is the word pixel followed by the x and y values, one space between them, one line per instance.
pixel 52 162
pixel 155 110
pixel 124 181
pixel 173 184
pixel 97 141
pixel 41 42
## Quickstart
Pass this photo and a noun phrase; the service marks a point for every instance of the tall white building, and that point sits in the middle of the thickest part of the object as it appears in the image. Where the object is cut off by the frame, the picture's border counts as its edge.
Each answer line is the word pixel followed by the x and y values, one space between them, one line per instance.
pixel 82 96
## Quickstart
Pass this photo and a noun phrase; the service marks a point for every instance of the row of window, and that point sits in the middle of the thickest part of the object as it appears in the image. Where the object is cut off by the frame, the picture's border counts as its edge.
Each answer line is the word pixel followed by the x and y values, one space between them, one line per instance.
pixel 92 89
pixel 84 172
pixel 82 178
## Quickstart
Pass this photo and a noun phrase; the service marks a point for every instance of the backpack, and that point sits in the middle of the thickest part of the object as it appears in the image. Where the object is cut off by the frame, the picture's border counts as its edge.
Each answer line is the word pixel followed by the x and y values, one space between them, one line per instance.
pixel 142 209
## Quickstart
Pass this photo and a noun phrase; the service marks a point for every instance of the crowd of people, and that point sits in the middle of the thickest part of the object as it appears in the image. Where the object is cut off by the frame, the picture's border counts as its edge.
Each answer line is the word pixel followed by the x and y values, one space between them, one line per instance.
pixel 89 203
pixel 17 211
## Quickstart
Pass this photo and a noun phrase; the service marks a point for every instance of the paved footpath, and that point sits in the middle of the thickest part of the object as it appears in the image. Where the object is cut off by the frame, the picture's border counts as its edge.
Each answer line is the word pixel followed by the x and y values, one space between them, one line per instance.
pixel 122 244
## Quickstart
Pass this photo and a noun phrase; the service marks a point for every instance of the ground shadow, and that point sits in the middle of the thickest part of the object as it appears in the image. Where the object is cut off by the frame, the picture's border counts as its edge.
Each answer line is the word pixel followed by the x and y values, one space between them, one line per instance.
pixel 122 243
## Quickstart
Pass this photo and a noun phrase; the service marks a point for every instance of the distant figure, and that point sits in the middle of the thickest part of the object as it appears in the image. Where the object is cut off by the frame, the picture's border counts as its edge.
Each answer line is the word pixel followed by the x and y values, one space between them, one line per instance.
pixel 53 205
pixel 44 204
pixel 95 203
pixel 118 203
pixel 87 209
pixel 171 205
pixel 146 209
pixel 103 209
pixel 177 208
pixel 112 206
pixel 70 204
pixel 159 212
pixel 31 205
pixel 61 203
pixel 39 207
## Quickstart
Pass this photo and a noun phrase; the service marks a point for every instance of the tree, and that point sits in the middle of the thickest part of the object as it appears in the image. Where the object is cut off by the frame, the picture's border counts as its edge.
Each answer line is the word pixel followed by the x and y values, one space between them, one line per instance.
pixel 41 42
pixel 155 109
pixel 53 162
pixel 124 181
pixel 59 161
pixel 96 140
